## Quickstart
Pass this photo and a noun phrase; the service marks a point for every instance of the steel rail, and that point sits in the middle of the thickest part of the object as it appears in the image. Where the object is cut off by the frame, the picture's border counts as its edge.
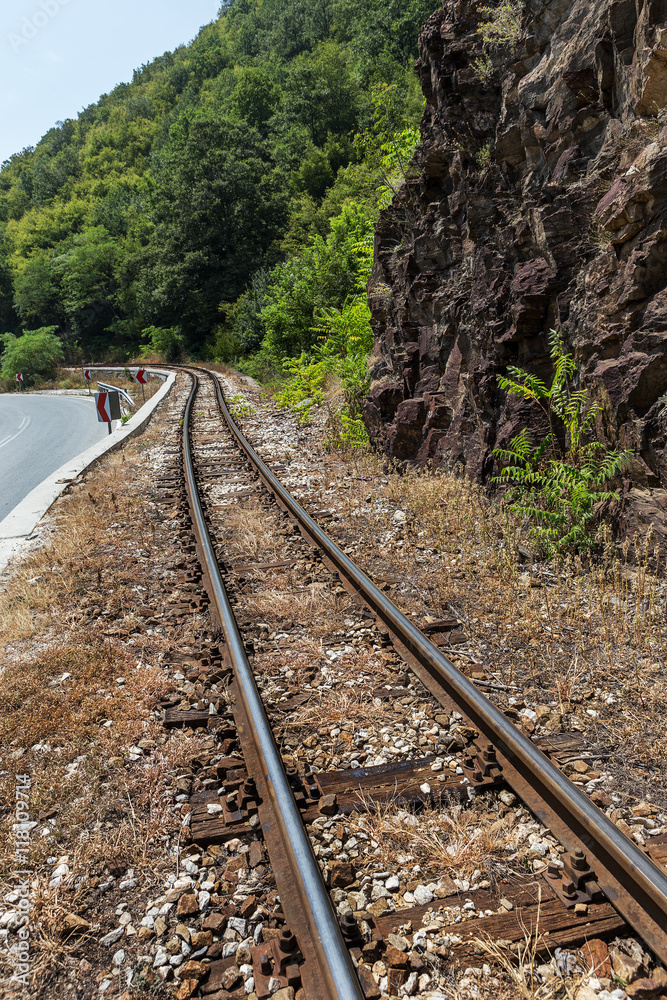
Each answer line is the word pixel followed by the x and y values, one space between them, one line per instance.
pixel 634 885
pixel 335 965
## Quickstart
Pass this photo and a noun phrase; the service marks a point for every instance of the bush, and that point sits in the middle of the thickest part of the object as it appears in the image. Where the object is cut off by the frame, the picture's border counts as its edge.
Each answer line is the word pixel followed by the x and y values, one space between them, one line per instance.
pixel 304 385
pixel 504 24
pixel 483 68
pixel 35 354
pixel 165 341
pixel 483 156
pixel 321 276
pixel 341 357
pixel 391 142
pixel 243 330
pixel 557 485
pixel 266 366
pixel 347 341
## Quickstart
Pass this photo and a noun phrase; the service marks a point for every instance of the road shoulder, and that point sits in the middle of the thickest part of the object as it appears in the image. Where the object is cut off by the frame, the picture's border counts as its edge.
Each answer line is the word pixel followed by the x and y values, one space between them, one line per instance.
pixel 19 526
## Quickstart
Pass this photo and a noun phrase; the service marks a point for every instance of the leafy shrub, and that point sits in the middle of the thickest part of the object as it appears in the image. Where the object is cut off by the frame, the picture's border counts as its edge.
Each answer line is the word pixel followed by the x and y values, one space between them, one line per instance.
pixel 239 406
pixel 503 26
pixel 483 155
pixel 321 276
pixel 391 143
pixel 557 485
pixel 341 356
pixel 346 431
pixel 304 386
pixel 347 341
pixel 35 354
pixel 483 68
pixel 165 341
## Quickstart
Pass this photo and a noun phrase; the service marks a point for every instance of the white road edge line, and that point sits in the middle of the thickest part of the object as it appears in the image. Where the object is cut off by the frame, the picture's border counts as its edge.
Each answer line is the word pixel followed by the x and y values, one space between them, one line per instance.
pixel 20 523
pixel 25 423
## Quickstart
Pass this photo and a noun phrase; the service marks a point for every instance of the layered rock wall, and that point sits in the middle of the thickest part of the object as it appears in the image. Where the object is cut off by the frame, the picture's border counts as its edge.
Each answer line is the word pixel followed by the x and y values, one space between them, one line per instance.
pixel 538 201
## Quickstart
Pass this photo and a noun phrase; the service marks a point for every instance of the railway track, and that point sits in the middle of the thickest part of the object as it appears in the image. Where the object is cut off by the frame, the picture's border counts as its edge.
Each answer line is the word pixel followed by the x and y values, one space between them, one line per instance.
pixel 594 881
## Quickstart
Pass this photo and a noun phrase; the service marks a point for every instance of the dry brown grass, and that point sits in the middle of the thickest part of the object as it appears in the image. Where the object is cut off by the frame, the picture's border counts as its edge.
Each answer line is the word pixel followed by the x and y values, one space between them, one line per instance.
pixel 319 606
pixel 68 608
pixel 522 968
pixel 245 532
pixel 75 568
pixel 445 839
pixel 585 636
pixel 342 705
pixel 51 954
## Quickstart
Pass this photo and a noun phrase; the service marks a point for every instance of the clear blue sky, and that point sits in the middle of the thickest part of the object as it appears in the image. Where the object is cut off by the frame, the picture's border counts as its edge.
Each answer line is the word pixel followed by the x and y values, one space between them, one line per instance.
pixel 58 56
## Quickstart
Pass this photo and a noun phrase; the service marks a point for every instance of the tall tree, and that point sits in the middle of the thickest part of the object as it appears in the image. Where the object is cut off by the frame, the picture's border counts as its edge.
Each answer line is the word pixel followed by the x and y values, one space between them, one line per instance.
pixel 218 203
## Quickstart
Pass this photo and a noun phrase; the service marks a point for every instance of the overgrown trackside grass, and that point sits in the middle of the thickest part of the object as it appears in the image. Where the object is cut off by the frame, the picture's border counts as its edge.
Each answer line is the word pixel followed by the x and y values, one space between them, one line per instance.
pixel 81 680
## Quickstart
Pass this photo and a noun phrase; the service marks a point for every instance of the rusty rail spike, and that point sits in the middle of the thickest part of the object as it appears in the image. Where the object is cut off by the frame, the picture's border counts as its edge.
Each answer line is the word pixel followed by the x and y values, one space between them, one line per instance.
pixel 630 880
pixel 337 975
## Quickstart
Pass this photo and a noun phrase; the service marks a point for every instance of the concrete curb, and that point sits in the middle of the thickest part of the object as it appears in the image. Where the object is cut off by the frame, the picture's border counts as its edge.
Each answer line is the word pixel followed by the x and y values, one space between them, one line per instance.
pixel 19 525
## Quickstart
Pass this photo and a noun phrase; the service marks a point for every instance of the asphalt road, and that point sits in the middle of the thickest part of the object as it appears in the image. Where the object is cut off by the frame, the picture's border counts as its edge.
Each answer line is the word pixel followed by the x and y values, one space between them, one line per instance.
pixel 38 434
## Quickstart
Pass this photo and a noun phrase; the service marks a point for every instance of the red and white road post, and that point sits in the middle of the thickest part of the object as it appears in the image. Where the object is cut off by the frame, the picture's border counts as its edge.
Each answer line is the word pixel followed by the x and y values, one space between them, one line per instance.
pixel 107 405
pixel 87 374
pixel 19 379
pixel 140 377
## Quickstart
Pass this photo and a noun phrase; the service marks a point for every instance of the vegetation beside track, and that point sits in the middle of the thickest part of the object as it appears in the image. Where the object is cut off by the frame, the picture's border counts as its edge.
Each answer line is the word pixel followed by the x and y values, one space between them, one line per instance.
pixel 554 648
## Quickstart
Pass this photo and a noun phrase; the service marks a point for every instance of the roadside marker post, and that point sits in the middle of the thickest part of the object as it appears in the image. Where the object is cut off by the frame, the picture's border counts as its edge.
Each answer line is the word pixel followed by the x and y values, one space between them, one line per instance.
pixel 107 405
pixel 140 377
pixel 19 379
pixel 88 377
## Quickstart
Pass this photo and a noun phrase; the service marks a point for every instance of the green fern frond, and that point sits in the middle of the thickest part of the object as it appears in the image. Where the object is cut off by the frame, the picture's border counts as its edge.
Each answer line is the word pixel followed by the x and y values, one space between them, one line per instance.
pixel 543 447
pixel 523 384
pixel 558 492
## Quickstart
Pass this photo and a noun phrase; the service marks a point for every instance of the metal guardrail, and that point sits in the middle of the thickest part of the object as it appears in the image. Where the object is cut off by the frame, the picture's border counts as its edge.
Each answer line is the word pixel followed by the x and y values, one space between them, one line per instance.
pixel 634 885
pixel 337 973
pixel 114 388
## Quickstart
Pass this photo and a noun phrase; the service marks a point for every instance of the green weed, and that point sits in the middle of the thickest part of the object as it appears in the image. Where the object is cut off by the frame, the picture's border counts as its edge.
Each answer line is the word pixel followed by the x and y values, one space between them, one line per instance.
pixel 503 26
pixel 557 485
pixel 483 68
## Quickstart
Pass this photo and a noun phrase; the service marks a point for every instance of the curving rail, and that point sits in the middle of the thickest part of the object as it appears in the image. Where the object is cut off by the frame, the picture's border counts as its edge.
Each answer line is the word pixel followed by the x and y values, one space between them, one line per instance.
pixel 336 976
pixel 630 880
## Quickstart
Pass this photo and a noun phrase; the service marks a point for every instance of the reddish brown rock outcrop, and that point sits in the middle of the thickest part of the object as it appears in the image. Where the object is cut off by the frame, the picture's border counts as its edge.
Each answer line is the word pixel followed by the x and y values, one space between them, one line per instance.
pixel 539 200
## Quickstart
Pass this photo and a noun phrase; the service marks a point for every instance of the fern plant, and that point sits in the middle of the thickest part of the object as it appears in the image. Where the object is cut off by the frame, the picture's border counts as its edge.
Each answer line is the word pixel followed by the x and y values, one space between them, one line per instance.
pixel 557 484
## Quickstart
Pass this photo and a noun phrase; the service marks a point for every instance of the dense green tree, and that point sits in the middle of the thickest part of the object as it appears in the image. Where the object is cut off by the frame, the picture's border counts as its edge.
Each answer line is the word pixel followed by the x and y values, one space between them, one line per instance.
pixel 256 97
pixel 218 203
pixel 382 31
pixel 243 330
pixel 8 316
pixel 165 341
pixel 35 354
pixel 156 205
pixel 88 281
pixel 36 292
pixel 321 94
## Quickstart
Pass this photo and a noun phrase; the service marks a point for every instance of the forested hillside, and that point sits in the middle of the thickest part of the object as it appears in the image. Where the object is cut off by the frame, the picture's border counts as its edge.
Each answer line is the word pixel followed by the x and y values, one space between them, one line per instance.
pixel 226 196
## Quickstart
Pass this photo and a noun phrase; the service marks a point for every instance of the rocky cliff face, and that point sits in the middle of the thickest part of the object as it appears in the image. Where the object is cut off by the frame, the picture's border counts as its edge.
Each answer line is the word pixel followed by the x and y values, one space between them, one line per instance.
pixel 539 200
